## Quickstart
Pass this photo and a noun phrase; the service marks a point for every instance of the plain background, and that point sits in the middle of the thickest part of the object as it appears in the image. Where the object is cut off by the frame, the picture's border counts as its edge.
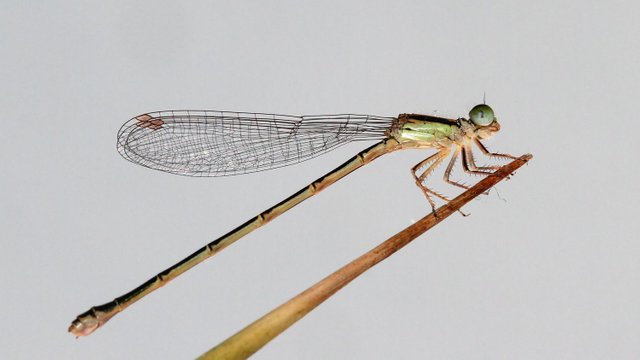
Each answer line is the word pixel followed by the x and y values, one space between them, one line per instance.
pixel 552 272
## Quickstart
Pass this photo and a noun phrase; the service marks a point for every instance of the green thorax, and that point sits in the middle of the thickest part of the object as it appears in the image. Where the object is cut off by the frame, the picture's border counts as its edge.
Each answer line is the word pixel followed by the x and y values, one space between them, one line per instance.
pixel 426 131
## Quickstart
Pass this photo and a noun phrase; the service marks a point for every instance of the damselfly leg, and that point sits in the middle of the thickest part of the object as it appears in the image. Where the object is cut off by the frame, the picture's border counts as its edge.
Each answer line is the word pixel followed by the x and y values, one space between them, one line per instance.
pixel 435 160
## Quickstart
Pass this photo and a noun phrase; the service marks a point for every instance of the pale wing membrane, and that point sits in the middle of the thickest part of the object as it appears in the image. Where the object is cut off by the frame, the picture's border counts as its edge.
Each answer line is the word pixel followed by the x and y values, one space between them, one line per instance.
pixel 222 143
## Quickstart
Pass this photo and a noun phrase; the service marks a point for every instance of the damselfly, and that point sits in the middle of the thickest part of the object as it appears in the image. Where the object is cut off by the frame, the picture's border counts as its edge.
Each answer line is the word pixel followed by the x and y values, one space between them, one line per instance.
pixel 222 143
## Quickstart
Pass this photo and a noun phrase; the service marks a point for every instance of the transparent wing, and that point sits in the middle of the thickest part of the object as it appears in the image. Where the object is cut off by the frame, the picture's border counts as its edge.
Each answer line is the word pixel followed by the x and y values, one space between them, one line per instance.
pixel 222 143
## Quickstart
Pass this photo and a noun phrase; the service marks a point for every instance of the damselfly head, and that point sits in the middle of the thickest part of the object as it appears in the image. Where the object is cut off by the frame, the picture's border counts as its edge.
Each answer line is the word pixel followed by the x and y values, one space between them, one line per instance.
pixel 484 119
pixel 481 115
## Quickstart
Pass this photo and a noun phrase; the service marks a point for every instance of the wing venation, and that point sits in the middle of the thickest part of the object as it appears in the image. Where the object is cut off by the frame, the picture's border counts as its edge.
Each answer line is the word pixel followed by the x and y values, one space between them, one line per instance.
pixel 223 143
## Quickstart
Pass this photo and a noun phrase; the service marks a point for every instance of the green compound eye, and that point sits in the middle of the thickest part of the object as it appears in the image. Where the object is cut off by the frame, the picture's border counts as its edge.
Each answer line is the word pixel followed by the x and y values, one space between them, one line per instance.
pixel 481 115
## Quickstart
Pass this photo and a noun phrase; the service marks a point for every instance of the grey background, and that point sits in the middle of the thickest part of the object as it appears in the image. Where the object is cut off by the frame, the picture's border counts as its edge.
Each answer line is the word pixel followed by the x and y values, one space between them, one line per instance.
pixel 553 272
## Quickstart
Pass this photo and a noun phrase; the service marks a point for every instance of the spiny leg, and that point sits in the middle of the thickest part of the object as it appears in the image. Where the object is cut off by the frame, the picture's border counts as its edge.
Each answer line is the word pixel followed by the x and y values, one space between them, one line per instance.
pixel 472 161
pixel 489 153
pixel 437 159
pixel 465 164
pixel 447 172
pixel 441 155
pixel 486 151
pixel 418 166
pixel 424 162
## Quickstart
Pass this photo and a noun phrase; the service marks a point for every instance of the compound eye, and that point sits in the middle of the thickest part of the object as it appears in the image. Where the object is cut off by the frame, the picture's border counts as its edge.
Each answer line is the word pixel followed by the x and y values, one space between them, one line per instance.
pixel 481 115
